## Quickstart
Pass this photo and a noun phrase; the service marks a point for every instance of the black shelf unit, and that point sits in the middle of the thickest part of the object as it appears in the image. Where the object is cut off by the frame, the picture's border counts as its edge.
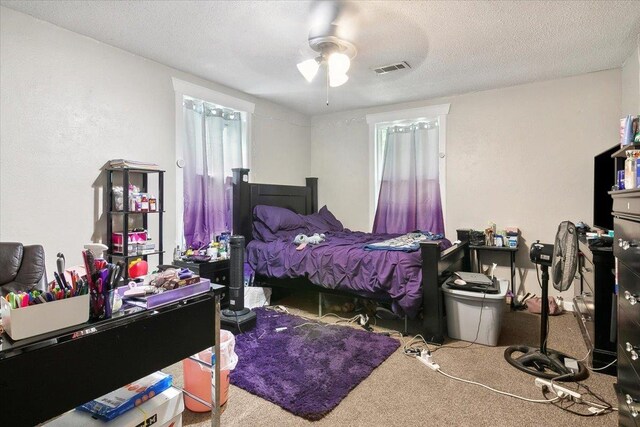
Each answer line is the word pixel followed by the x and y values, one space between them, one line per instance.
pixel 111 212
pixel 619 157
pixel 622 152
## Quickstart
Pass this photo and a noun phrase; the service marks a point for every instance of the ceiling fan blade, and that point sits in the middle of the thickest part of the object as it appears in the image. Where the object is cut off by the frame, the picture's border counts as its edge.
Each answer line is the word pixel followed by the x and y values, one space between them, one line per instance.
pixel 323 14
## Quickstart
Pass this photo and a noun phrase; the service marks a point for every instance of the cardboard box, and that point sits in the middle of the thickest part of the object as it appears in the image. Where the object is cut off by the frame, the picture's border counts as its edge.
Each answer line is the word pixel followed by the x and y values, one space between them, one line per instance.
pixel 38 319
pixel 173 422
pixel 163 410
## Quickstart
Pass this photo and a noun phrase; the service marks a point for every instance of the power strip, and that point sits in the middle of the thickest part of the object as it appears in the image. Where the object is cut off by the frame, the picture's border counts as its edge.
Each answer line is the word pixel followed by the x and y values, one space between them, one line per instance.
pixel 427 359
pixel 560 391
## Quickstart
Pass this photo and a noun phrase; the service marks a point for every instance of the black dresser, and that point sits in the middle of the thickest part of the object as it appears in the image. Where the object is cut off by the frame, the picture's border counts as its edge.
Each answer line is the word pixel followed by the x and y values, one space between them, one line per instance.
pixel 626 212
pixel 594 304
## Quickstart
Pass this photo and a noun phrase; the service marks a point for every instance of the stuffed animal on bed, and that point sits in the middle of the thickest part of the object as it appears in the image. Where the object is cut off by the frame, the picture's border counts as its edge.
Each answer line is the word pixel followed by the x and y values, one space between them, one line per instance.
pixel 302 240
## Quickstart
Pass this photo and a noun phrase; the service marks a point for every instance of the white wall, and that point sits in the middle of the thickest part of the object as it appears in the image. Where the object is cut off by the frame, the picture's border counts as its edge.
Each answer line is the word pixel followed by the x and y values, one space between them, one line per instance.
pixel 518 156
pixel 69 104
pixel 631 83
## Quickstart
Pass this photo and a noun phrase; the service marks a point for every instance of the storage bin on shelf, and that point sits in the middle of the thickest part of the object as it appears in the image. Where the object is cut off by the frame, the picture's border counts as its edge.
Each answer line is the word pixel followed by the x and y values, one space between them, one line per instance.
pixel 135 237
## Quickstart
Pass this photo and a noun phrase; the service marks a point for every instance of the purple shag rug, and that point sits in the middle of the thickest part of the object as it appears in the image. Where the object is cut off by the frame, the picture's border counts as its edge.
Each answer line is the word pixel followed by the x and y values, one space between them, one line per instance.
pixel 306 370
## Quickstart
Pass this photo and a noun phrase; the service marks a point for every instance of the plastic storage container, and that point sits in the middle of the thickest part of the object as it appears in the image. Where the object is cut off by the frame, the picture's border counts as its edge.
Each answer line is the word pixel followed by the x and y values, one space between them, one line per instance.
pixel 38 319
pixel 134 237
pixel 463 313
pixel 197 378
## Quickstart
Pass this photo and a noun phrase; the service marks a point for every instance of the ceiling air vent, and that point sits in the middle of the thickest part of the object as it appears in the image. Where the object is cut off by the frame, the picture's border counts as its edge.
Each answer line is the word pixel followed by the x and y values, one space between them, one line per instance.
pixel 391 67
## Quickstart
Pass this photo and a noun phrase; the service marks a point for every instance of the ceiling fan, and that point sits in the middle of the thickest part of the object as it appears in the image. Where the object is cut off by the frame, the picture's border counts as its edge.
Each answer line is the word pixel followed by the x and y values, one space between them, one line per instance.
pixel 334 52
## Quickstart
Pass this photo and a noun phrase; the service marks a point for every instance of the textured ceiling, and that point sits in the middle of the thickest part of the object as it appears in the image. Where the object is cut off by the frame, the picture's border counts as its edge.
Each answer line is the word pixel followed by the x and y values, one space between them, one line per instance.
pixel 452 47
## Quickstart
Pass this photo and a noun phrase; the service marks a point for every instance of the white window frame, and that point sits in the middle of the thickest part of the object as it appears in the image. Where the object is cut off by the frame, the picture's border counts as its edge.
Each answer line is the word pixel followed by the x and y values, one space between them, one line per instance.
pixel 183 88
pixel 400 117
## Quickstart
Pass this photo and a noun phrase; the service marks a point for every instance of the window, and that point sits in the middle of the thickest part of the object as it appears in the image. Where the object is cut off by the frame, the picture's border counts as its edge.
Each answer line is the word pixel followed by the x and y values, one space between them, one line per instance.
pixel 432 118
pixel 212 137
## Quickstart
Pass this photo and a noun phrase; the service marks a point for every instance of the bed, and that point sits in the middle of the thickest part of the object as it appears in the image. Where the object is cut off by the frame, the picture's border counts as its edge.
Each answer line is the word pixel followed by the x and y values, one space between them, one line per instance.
pixel 411 281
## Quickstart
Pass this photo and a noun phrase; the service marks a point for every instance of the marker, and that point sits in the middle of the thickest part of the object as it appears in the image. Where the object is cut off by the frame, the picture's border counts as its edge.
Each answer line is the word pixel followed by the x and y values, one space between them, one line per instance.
pixel 58 280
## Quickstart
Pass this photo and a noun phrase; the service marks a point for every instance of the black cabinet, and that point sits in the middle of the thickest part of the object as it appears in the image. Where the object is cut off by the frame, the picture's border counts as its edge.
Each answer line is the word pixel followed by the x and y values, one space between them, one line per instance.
pixel 126 176
pixel 626 248
pixel 216 271
pixel 594 304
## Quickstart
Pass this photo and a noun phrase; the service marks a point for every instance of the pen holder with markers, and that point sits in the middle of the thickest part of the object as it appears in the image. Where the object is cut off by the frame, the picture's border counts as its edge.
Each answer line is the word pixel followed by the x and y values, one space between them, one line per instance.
pixel 101 303
pixel 103 279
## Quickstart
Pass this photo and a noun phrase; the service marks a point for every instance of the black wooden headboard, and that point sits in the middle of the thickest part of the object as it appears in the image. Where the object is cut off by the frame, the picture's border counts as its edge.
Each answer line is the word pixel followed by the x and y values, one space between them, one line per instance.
pixel 246 196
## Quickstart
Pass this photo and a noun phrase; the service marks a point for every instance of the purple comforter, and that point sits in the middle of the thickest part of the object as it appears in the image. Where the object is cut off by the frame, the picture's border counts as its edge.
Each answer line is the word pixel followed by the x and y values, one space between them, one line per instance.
pixel 342 263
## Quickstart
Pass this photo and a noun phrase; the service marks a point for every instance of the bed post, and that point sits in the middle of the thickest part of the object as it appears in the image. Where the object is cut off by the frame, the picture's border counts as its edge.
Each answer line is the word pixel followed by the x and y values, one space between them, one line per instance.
pixel 463 236
pixel 433 327
pixel 241 211
pixel 312 183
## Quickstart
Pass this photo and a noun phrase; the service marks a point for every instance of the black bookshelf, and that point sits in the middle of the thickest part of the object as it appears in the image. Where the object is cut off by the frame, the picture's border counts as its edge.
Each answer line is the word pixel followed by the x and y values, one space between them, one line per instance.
pixel 111 213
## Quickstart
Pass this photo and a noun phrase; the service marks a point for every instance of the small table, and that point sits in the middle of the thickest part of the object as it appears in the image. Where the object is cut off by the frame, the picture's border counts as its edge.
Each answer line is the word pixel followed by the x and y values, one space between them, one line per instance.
pixel 49 374
pixel 512 259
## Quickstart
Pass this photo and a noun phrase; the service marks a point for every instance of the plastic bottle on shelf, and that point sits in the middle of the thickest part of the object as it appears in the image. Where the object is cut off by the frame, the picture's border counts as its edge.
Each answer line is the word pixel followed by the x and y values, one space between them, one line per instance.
pixel 153 205
pixel 212 251
pixel 222 250
pixel 630 170
pixel 144 203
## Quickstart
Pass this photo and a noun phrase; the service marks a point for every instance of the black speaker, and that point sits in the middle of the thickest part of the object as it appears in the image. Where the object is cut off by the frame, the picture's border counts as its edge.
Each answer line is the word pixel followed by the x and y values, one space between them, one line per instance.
pixel 237 318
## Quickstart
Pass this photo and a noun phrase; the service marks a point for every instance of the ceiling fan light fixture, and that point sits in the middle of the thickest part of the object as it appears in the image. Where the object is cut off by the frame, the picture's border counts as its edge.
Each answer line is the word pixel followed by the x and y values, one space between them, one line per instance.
pixel 339 63
pixel 336 79
pixel 335 54
pixel 309 68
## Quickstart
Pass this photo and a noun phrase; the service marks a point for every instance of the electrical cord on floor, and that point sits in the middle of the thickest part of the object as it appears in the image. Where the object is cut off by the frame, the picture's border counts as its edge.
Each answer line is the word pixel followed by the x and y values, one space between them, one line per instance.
pixel 602 368
pixel 526 399
pixel 359 319
pixel 584 358
pixel 237 323
pixel 559 377
pixel 277 309
pixel 411 348
pixel 591 368
pixel 414 347
pixel 604 407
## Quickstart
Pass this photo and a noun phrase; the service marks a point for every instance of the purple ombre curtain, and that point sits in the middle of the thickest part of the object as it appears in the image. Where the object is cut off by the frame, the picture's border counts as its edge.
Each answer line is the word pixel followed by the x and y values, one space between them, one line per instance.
pixel 409 197
pixel 213 146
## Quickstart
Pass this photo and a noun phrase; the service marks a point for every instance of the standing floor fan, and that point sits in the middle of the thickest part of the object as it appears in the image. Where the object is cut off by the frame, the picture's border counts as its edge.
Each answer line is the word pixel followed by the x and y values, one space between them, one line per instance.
pixel 563 259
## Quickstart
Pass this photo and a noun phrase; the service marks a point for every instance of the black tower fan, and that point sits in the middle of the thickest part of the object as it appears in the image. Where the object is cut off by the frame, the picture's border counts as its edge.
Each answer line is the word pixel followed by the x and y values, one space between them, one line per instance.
pixel 237 318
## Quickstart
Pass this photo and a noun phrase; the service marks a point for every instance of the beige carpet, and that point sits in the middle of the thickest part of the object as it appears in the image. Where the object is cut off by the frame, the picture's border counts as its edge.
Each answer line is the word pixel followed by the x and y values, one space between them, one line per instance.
pixel 403 392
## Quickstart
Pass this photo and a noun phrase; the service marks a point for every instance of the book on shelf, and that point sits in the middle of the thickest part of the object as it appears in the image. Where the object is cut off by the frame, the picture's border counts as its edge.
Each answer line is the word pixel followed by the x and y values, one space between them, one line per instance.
pixel 134 164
